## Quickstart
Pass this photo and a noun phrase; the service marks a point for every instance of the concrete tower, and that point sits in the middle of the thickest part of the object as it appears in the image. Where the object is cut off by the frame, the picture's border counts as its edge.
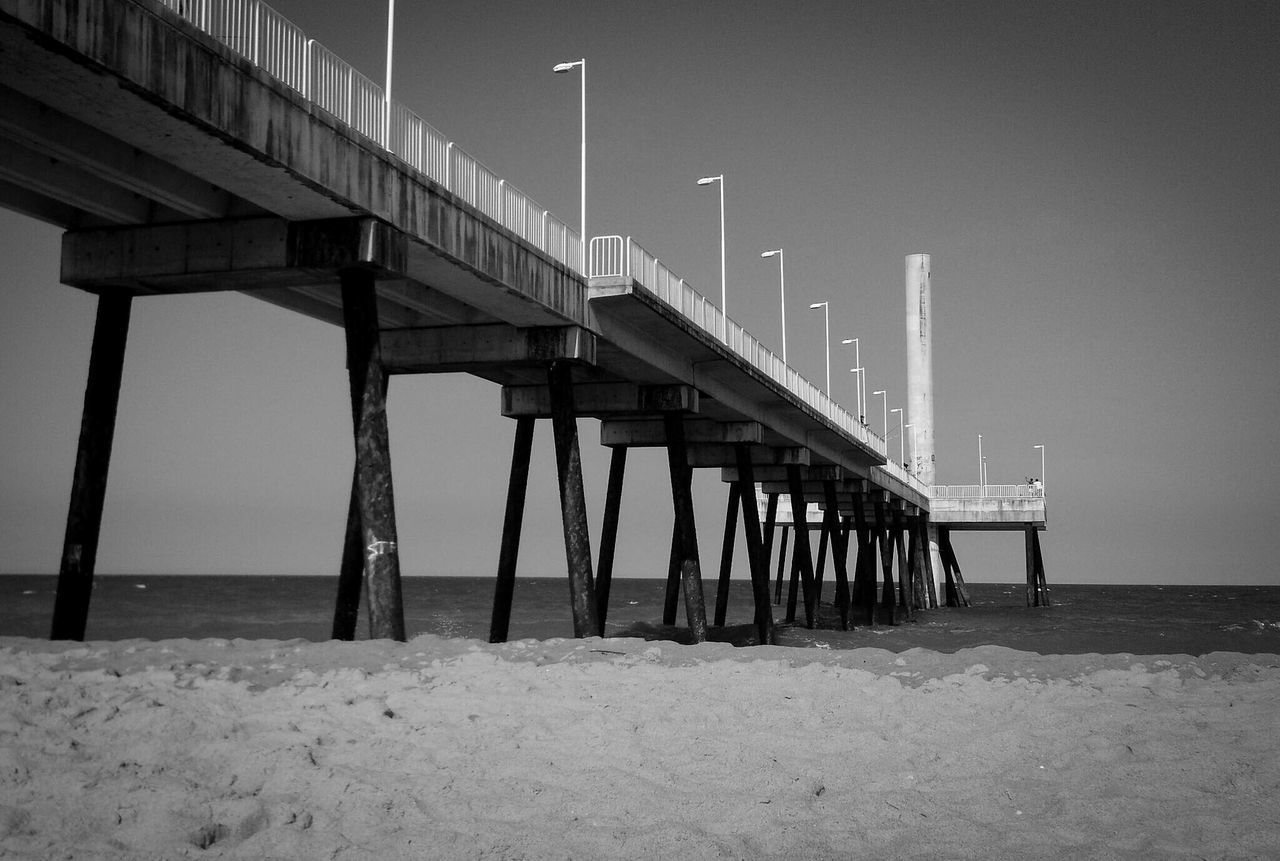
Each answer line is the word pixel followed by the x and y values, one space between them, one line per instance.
pixel 920 389
pixel 920 367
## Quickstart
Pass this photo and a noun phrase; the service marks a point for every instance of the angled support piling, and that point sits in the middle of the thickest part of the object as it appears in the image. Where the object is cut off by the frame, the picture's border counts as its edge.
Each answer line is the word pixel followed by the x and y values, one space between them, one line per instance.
pixel 906 596
pixel 682 502
pixel 726 553
pixel 782 562
pixel 512 523
pixel 346 610
pixel 798 512
pixel 863 598
pixel 824 539
pixel 956 594
pixel 757 555
pixel 888 607
pixel 609 531
pixel 671 599
pixel 93 457
pixel 573 502
pixel 1035 573
pixel 374 495
pixel 839 551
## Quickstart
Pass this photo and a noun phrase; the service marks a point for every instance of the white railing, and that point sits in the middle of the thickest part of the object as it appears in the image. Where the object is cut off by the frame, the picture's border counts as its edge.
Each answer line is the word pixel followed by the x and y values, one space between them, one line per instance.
pixel 279 47
pixel 987 491
pixel 617 256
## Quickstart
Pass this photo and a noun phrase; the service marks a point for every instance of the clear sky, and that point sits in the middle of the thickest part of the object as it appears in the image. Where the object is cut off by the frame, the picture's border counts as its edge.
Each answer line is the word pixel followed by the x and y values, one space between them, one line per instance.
pixel 1097 183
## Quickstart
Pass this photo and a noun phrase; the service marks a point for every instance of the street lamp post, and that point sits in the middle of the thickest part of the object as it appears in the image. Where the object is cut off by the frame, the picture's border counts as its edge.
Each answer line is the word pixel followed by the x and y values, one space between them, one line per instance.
pixel 984 476
pixel 582 170
pixel 782 289
pixel 1042 483
pixel 902 457
pixel 982 481
pixel 826 315
pixel 884 404
pixel 707 180
pixel 860 380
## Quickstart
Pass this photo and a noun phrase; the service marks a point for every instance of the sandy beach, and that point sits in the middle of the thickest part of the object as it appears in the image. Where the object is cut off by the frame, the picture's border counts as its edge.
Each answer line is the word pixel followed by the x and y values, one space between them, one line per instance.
pixel 622 748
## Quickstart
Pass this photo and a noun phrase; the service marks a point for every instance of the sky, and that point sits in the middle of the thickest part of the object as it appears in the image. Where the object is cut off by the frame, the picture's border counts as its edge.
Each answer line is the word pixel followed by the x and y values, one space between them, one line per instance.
pixel 1096 182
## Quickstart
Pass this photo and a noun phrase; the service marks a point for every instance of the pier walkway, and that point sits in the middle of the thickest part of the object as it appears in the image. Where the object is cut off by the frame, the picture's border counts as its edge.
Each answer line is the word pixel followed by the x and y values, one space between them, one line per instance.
pixel 209 145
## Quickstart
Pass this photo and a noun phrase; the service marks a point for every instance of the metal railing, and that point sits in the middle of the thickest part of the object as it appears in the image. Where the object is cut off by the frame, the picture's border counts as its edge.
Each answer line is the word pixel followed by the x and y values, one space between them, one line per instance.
pixel 279 47
pixel 617 256
pixel 987 491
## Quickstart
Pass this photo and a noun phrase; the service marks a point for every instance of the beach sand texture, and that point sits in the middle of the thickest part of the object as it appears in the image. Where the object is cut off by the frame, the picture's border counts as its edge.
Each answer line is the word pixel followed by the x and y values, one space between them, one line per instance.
pixel 622 748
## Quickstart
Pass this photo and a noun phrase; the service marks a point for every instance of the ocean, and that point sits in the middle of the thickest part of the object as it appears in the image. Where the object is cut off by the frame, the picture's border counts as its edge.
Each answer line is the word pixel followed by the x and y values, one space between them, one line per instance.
pixel 1192 620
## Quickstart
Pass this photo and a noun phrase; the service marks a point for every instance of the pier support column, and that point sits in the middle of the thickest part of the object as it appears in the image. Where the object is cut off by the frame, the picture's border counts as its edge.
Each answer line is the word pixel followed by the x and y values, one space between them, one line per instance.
pixel 346 610
pixel 839 552
pixel 573 502
pixel 906 595
pixel 375 498
pixel 819 567
pixel 671 599
pixel 888 607
pixel 757 554
pixel 801 552
pixel 93 457
pixel 782 563
pixel 726 552
pixel 1037 591
pixel 609 532
pixel 512 524
pixel 766 535
pixel 863 598
pixel 956 593
pixel 682 501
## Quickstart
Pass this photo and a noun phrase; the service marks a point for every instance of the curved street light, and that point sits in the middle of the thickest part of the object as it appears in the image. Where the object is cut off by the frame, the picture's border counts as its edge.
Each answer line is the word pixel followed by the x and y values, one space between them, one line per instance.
pixel 860 380
pixel 560 68
pixel 902 456
pixel 826 315
pixel 708 180
pixel 782 288
pixel 884 405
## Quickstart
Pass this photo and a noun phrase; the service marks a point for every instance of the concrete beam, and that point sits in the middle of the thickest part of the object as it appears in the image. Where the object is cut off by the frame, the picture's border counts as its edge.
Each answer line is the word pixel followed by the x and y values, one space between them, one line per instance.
pixel 243 254
pixel 473 348
pixel 57 136
pixel 184 257
pixel 650 433
pixel 601 399
pixel 73 186
pixel 777 473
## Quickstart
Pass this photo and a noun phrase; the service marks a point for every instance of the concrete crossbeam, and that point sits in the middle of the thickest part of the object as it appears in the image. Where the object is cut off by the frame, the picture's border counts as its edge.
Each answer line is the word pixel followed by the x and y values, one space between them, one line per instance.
pixel 474 348
pixel 601 399
pixel 651 433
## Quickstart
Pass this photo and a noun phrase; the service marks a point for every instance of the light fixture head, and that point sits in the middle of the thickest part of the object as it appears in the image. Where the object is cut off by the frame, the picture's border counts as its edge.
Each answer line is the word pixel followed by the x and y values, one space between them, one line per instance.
pixel 566 67
pixel 817 305
pixel 707 180
pixel 776 251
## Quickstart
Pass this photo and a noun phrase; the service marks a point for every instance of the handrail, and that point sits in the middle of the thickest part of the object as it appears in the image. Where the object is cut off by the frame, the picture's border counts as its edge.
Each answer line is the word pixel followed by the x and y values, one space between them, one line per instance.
pixel 616 256
pixel 280 48
pixel 987 491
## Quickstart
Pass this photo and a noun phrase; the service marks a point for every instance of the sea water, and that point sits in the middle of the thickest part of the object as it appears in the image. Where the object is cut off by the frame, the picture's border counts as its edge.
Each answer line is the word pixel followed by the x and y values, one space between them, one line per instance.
pixel 1082 618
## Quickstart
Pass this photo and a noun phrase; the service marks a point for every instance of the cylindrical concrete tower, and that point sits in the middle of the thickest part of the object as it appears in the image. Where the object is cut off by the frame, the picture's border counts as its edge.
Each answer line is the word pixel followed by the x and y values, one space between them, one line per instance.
pixel 920 367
